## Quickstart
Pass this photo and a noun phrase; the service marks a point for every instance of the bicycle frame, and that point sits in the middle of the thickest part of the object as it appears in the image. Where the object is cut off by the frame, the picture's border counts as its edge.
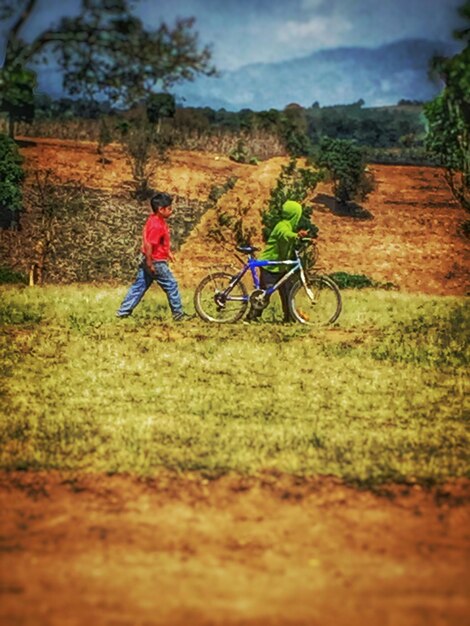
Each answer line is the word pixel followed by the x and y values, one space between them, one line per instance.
pixel 253 264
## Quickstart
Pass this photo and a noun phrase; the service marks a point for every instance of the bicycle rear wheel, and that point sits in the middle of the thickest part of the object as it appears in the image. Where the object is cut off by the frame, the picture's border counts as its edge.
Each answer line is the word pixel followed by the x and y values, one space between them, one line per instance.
pixel 216 301
pixel 324 305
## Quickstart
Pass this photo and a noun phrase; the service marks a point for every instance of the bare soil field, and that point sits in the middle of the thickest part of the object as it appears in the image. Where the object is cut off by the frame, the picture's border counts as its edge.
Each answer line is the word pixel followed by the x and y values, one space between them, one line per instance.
pixel 412 240
pixel 268 550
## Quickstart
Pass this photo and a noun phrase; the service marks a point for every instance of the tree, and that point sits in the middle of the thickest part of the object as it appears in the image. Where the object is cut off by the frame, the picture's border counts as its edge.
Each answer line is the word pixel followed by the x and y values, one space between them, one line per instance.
pixel 143 136
pixel 345 162
pixel 11 177
pixel 104 51
pixel 294 131
pixel 17 95
pixel 448 117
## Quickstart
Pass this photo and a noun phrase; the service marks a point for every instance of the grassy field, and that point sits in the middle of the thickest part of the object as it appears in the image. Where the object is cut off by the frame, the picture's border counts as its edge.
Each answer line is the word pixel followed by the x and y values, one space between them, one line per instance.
pixel 379 397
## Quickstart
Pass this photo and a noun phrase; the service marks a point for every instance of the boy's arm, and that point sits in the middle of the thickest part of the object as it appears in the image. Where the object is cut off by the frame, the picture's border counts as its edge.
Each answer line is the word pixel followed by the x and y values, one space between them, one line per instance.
pixel 286 232
pixel 147 250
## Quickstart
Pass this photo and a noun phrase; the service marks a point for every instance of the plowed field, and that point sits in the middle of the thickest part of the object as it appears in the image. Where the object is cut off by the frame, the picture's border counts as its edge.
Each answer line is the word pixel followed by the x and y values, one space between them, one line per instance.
pixel 412 240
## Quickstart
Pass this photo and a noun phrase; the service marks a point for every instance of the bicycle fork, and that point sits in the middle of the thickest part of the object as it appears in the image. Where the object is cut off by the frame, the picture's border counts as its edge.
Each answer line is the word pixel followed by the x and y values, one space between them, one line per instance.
pixel 308 291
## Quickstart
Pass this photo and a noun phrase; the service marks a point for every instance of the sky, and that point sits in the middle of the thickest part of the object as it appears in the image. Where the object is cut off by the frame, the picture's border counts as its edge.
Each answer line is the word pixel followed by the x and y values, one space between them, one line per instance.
pixel 242 32
pixel 253 31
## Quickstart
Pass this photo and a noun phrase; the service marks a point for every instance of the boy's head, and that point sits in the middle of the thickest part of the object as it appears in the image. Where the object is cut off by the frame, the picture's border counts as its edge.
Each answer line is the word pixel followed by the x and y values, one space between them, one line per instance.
pixel 292 211
pixel 161 204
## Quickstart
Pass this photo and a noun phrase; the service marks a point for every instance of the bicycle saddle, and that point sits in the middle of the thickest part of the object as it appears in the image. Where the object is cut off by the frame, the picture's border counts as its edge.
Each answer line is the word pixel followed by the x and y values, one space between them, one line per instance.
pixel 247 249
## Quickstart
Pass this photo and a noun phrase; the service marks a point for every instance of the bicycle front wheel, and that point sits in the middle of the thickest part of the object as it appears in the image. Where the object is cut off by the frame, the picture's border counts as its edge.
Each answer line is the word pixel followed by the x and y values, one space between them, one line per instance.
pixel 318 305
pixel 215 300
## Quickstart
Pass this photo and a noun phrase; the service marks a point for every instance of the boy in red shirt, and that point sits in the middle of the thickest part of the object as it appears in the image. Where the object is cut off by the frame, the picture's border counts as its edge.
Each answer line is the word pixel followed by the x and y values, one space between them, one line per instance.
pixel 154 266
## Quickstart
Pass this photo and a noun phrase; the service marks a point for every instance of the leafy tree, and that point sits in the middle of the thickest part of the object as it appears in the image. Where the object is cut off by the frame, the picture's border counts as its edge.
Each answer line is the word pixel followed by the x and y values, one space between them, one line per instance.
pixel 143 137
pixel 293 127
pixel 105 50
pixel 17 95
pixel 159 106
pixel 448 117
pixel 11 176
pixel 345 162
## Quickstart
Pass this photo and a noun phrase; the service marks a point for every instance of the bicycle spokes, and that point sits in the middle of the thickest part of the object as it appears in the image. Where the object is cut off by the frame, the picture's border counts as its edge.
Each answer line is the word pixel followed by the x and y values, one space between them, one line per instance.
pixel 218 298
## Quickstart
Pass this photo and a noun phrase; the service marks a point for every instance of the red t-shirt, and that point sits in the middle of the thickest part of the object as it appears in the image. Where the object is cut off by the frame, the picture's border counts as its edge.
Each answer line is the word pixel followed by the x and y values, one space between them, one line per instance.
pixel 157 234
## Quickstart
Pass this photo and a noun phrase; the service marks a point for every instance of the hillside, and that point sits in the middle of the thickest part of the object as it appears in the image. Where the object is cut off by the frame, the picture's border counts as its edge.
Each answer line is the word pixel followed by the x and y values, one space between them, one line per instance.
pixel 379 76
pixel 412 241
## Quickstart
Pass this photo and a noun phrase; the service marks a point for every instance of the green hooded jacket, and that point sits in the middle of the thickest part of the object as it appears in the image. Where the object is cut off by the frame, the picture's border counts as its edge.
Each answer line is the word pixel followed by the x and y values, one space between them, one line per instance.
pixel 280 245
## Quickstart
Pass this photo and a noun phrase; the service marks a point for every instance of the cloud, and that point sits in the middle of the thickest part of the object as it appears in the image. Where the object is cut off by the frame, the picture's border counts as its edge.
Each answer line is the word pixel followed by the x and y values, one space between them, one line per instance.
pixel 318 32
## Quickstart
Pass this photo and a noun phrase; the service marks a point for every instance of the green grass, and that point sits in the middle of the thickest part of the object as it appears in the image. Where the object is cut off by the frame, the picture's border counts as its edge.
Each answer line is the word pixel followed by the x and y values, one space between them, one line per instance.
pixel 379 397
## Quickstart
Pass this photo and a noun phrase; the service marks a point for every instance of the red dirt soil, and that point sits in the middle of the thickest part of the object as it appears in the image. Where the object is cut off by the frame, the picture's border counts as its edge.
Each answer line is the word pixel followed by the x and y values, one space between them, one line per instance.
pixel 271 550
pixel 267 551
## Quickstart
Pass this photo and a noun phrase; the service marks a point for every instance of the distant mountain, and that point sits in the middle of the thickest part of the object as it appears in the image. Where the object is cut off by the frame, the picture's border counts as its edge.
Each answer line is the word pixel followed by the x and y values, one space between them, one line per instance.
pixel 380 76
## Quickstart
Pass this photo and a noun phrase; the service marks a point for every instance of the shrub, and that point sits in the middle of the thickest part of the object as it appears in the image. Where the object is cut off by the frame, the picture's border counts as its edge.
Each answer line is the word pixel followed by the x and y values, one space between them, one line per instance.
pixel 242 154
pixel 344 280
pixel 345 162
pixel 7 275
pixel 11 176
pixel 352 281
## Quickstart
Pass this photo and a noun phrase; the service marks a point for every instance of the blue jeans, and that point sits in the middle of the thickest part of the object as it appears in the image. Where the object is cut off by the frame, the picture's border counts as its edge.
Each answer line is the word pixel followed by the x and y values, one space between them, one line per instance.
pixel 163 277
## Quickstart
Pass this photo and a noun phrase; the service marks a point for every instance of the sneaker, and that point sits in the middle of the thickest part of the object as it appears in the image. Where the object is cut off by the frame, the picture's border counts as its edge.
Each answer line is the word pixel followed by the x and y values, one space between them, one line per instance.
pixel 122 315
pixel 183 317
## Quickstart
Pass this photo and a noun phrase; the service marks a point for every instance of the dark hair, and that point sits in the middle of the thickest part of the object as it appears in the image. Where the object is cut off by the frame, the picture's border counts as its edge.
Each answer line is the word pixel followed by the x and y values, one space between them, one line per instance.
pixel 160 200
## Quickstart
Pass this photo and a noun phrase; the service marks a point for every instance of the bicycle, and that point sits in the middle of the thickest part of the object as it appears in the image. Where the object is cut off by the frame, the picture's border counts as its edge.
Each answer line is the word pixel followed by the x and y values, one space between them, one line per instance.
pixel 314 299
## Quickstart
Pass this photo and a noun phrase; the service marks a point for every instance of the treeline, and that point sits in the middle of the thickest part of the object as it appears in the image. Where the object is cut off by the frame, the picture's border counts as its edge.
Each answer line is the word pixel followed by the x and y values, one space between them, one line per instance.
pixel 389 134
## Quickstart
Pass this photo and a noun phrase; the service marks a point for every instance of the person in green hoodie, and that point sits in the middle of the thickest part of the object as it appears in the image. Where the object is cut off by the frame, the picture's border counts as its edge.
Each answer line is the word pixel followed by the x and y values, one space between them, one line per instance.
pixel 280 247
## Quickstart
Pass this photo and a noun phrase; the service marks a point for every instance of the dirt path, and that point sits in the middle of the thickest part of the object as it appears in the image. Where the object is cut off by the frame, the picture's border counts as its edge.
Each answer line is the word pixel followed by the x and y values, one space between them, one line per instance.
pixel 117 551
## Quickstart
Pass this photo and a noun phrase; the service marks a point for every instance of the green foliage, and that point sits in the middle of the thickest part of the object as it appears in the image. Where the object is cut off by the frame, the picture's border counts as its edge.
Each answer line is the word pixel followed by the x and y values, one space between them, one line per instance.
pixel 217 191
pixel 7 275
pixel 241 154
pixel 448 117
pixel 345 163
pixel 344 280
pixel 294 183
pixel 392 134
pixel 17 93
pixel 160 105
pixel 294 131
pixel 11 177
pixel 381 398
pixel 145 58
pixel 106 49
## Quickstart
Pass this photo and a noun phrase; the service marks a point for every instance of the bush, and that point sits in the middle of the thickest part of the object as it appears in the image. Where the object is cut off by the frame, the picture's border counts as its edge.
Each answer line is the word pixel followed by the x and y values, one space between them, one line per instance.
pixel 9 276
pixel 352 281
pixel 11 177
pixel 345 162
pixel 344 280
pixel 242 154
